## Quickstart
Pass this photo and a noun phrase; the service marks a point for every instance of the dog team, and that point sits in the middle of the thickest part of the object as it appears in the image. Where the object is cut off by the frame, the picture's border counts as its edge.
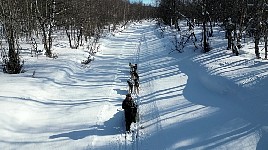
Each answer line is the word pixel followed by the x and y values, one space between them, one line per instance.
pixel 133 82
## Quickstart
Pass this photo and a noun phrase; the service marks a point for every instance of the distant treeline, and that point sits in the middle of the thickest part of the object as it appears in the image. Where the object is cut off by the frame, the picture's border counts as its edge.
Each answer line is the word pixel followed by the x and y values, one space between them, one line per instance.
pixel 80 18
pixel 237 17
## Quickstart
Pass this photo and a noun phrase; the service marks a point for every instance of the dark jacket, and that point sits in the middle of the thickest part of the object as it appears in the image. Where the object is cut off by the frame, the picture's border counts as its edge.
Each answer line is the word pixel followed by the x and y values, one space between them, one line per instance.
pixel 130 110
pixel 128 104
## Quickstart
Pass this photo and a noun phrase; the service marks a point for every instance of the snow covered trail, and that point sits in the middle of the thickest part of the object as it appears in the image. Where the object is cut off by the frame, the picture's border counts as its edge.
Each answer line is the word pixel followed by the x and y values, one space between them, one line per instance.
pixel 187 100
pixel 66 105
pixel 185 106
pixel 123 48
pixel 163 104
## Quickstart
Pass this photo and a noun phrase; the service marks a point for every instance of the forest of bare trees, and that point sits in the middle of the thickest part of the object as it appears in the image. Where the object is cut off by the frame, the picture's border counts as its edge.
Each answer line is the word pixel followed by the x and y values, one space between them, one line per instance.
pixel 78 18
pixel 238 17
pixel 83 19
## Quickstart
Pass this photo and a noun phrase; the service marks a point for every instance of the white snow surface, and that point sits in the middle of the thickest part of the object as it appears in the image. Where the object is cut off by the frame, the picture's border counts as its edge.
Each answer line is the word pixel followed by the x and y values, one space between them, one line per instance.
pixel 188 100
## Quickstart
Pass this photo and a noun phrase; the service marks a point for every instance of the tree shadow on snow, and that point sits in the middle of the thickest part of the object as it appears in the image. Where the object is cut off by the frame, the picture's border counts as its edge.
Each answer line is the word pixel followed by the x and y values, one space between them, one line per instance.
pixel 239 109
pixel 121 92
pixel 113 126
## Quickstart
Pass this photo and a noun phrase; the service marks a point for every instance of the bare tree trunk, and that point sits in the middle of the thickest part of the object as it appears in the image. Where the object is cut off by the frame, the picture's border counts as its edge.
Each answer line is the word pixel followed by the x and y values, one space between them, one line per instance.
pixel 49 50
pixel 47 39
pixel 69 37
pixel 79 34
pixel 205 43
pixel 205 18
pixel 265 44
pixel 46 18
pixel 229 39
pixel 76 36
pixel 11 29
pixel 257 52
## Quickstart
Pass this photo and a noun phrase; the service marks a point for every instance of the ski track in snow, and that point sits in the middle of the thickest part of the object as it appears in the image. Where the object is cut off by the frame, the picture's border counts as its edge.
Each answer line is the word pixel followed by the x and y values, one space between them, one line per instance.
pixel 187 100
pixel 128 53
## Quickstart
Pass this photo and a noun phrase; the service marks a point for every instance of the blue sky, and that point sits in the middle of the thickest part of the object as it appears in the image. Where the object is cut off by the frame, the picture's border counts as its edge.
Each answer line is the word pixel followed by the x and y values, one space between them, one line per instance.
pixel 144 1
